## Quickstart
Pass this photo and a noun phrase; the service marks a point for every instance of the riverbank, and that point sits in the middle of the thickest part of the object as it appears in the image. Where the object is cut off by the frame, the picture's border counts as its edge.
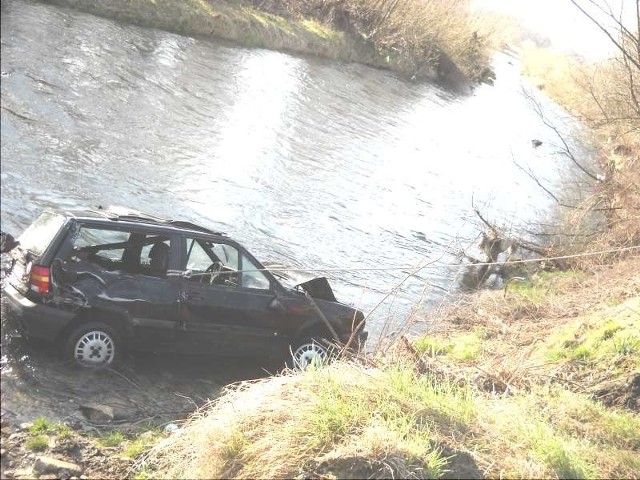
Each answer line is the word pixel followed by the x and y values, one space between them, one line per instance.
pixel 536 381
pixel 251 24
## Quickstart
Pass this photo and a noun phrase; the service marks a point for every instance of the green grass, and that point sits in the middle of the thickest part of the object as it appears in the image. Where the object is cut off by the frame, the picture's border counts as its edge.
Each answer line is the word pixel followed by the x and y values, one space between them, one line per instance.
pixel 539 287
pixel 38 443
pixel 319 30
pixel 267 19
pixel 408 406
pixel 463 347
pixel 591 340
pixel 111 439
pixel 141 443
pixel 235 444
pixel 43 426
pixel 432 346
pixel 559 453
pixel 583 417
pixel 62 432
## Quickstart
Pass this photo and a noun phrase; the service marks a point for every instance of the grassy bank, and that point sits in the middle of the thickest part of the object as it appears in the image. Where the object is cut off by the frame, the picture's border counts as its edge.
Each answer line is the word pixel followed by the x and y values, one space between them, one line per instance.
pixel 539 382
pixel 419 39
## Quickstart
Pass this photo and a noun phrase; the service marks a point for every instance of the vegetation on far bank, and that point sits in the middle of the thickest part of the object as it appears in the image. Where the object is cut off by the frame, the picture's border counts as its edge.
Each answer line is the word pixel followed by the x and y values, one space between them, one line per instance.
pixel 444 41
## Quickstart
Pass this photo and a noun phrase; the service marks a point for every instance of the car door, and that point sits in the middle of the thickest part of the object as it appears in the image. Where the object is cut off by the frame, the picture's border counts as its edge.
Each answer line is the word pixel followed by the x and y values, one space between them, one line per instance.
pixel 102 274
pixel 224 309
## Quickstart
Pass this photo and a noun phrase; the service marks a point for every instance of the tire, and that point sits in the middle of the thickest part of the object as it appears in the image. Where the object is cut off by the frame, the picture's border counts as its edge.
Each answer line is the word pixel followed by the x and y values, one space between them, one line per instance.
pixel 94 345
pixel 311 352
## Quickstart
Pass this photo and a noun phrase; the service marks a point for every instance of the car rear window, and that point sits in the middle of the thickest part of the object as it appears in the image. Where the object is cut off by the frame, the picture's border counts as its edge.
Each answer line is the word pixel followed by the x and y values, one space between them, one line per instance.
pixel 38 236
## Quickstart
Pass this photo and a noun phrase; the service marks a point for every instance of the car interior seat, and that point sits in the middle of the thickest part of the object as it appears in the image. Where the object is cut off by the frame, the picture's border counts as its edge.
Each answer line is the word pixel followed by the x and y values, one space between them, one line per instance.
pixel 159 255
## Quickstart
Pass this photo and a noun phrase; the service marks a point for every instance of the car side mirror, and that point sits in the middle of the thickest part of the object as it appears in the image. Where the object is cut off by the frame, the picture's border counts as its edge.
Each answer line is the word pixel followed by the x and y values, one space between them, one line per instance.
pixel 277 306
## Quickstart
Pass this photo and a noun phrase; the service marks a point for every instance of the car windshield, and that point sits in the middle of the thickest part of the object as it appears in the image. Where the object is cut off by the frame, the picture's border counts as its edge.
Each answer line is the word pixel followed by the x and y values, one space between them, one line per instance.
pixel 38 236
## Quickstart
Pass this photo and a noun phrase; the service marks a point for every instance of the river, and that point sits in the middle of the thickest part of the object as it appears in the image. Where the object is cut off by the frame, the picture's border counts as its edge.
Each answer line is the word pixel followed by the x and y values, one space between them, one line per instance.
pixel 310 163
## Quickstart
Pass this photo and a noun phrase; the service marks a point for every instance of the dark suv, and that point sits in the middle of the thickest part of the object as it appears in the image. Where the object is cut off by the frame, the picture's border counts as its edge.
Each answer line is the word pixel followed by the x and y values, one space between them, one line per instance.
pixel 103 281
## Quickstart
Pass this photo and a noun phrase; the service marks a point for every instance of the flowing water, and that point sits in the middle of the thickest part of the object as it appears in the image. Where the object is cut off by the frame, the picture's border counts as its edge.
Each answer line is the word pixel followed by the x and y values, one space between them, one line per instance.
pixel 310 163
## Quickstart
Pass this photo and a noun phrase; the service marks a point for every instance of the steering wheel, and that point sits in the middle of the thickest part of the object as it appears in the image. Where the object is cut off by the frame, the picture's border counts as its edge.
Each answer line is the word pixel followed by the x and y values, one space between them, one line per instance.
pixel 214 269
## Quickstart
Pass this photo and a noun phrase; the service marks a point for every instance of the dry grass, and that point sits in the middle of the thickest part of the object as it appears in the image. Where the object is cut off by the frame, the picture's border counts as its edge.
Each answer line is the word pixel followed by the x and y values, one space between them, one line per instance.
pixel 343 419
pixel 604 96
pixel 518 325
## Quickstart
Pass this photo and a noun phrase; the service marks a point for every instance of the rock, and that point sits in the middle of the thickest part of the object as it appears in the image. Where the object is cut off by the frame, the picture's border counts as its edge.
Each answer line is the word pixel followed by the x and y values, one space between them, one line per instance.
pixel 23 473
pixel 48 476
pixel 97 413
pixel 45 465
pixel 25 426
pixel 171 428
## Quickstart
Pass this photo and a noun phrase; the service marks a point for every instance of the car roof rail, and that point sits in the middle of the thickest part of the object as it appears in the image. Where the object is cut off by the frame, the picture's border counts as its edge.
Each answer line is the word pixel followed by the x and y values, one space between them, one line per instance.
pixel 114 212
pixel 193 226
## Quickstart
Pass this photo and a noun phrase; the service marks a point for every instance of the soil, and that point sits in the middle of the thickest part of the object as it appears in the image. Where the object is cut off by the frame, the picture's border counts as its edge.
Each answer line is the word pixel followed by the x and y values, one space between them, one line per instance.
pixel 18 461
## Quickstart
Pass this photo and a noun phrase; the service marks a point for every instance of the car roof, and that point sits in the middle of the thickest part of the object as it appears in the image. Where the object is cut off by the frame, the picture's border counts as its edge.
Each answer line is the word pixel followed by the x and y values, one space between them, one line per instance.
pixel 126 215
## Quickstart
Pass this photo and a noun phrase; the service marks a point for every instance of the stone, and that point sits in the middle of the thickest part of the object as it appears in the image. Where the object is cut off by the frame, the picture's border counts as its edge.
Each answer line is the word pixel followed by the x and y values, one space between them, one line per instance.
pixel 23 473
pixel 25 426
pixel 97 413
pixel 45 465
pixel 48 476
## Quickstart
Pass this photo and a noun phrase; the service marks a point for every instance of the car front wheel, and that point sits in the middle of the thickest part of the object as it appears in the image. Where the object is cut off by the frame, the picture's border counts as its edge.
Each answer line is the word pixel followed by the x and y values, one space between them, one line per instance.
pixel 311 352
pixel 94 345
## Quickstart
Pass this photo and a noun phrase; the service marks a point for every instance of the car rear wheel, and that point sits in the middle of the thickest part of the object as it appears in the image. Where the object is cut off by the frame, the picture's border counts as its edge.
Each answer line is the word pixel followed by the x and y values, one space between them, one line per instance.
pixel 94 345
pixel 311 352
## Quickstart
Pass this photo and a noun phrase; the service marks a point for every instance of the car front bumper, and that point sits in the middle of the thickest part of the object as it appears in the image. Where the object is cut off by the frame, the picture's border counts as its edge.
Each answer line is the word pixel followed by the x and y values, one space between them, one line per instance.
pixel 35 319
pixel 355 341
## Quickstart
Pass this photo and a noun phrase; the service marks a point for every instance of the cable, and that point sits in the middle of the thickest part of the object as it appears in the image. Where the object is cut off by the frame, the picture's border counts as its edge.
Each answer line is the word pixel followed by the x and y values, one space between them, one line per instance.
pixel 438 263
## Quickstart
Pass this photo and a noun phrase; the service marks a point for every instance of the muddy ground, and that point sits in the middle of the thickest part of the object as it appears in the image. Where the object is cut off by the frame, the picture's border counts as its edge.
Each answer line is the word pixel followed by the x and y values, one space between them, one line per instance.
pixel 147 392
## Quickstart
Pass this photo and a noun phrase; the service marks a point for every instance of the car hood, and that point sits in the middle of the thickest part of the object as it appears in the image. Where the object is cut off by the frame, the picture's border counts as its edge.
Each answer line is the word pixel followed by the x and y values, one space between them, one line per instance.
pixel 318 288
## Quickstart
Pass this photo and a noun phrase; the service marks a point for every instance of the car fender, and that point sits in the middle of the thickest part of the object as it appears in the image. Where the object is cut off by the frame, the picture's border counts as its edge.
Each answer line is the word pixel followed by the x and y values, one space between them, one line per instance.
pixel 114 316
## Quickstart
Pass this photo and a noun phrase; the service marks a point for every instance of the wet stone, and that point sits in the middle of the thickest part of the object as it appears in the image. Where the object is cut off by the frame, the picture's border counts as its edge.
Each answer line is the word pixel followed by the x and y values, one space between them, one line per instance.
pixel 45 465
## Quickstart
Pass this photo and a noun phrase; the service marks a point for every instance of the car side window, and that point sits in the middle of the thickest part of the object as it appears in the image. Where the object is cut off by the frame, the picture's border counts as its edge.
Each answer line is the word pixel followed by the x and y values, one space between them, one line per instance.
pixel 218 263
pixel 212 263
pixel 252 277
pixel 198 259
pixel 130 252
pixel 101 247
